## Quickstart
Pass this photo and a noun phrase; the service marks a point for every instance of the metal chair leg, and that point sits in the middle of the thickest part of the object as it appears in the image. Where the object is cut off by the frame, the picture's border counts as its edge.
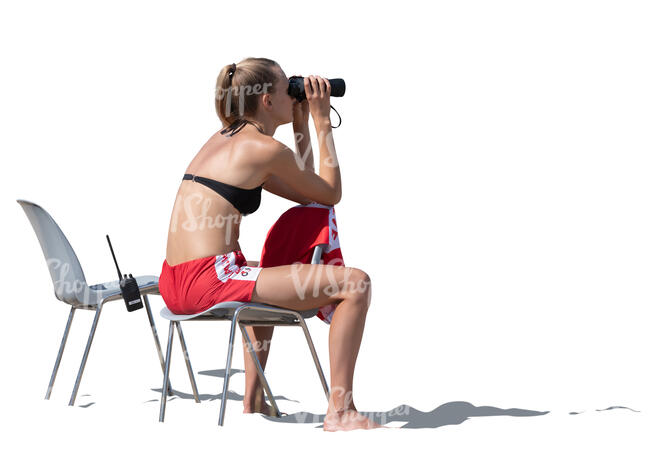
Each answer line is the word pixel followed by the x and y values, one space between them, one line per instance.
pixel 187 362
pixel 226 378
pixel 315 356
pixel 163 395
pixel 260 371
pixel 155 338
pixel 85 357
pixel 60 354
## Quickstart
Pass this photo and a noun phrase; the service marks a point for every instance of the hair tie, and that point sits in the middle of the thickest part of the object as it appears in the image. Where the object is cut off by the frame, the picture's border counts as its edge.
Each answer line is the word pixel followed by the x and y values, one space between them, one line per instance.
pixel 231 71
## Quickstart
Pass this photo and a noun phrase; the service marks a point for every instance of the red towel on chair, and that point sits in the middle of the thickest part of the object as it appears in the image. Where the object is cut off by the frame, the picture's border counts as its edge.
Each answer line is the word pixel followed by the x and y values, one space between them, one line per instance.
pixel 294 236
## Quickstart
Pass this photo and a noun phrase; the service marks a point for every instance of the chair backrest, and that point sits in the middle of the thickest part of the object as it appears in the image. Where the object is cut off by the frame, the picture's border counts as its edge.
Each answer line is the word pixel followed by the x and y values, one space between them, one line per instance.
pixel 65 270
pixel 318 253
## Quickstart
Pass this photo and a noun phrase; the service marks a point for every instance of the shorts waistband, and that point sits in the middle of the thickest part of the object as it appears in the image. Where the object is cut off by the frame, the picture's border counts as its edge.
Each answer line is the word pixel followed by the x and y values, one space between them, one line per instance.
pixel 205 258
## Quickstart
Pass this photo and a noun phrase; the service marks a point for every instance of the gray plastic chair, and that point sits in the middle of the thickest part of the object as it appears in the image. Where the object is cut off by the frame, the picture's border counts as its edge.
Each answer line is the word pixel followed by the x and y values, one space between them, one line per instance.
pixel 242 314
pixel 70 285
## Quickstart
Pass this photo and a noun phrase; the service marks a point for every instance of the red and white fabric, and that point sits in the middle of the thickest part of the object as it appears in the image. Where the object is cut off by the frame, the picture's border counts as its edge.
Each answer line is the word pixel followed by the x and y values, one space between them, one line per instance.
pixel 293 237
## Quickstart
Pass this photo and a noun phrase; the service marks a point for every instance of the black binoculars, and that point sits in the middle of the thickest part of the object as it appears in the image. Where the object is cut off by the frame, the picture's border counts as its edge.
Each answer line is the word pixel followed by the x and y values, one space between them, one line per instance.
pixel 297 87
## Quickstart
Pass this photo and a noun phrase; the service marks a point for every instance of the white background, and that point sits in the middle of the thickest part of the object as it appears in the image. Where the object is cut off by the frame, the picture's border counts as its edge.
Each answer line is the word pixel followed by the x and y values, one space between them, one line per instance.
pixel 495 169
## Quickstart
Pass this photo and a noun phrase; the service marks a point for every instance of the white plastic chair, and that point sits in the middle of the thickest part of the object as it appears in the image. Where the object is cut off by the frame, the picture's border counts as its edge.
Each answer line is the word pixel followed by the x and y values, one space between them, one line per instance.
pixel 70 286
pixel 242 314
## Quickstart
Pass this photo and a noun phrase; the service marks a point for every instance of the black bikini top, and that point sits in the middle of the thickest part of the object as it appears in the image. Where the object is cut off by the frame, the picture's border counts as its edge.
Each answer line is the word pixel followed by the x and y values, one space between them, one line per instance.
pixel 245 200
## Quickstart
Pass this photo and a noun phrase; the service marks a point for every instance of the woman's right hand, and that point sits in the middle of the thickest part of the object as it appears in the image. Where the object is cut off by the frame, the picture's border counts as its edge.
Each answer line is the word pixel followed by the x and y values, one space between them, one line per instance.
pixel 317 91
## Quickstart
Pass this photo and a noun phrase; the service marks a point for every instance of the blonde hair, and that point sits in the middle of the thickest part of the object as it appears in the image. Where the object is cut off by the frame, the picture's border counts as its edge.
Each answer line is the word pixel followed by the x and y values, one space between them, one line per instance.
pixel 238 87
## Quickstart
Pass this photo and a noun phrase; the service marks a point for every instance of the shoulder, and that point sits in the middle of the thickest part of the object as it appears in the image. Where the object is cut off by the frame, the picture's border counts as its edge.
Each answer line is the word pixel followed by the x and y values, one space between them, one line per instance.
pixel 268 149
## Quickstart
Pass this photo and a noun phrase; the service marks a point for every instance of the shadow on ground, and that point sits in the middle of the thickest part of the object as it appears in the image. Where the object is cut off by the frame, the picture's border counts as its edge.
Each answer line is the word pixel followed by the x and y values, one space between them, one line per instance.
pixel 611 408
pixel 453 413
pixel 208 397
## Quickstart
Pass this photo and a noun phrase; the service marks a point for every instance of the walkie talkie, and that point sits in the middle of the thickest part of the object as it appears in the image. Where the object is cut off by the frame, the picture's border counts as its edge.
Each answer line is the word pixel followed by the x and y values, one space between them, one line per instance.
pixel 128 286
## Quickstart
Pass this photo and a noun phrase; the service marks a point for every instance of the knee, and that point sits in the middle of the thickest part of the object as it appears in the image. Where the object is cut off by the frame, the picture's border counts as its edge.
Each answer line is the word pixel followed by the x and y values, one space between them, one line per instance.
pixel 360 287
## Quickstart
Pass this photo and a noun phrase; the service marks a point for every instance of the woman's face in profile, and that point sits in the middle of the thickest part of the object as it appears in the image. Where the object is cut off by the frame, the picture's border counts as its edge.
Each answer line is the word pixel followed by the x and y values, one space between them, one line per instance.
pixel 282 102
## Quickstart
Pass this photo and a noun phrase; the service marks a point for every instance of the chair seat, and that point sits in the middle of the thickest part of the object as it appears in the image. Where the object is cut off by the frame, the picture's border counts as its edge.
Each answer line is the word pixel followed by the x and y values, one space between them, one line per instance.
pixel 226 310
pixel 106 292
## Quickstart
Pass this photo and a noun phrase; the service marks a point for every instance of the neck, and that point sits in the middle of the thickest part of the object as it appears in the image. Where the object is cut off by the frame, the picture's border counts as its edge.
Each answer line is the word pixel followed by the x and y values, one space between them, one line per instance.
pixel 267 124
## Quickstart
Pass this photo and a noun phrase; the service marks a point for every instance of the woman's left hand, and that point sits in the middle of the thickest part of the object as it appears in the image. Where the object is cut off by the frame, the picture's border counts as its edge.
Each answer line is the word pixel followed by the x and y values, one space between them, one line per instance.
pixel 301 111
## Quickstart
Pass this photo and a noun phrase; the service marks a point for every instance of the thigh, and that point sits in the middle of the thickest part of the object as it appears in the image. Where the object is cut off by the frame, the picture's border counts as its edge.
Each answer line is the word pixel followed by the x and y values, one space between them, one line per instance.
pixel 305 286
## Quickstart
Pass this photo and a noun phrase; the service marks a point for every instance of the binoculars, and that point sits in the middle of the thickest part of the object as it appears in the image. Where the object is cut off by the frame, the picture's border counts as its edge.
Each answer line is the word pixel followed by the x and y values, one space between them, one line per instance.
pixel 297 87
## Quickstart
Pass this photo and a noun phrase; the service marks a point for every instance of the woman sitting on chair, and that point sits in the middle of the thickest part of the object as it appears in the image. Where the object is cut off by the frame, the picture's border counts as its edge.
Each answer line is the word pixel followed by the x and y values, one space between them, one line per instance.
pixel 204 264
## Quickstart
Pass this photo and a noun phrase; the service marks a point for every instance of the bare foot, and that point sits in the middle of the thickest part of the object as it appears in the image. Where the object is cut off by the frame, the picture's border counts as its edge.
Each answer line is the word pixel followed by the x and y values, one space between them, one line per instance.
pixel 263 409
pixel 348 419
pixel 259 405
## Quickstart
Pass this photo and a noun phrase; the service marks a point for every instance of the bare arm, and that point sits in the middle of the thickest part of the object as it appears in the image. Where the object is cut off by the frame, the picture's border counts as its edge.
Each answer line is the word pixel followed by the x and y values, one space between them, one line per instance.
pixel 328 168
pixel 284 164
pixel 276 186
pixel 296 171
pixel 303 139
pixel 317 92
pixel 305 156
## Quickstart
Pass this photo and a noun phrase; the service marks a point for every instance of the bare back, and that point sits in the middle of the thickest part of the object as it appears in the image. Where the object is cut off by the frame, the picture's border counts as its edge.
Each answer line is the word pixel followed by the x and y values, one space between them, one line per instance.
pixel 203 223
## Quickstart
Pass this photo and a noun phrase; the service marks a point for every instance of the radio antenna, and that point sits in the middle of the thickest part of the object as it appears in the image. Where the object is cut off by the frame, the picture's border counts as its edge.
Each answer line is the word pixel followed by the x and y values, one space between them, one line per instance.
pixel 119 274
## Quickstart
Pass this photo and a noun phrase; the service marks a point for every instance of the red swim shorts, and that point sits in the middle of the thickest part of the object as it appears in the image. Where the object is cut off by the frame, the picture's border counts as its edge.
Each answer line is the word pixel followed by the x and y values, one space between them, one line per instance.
pixel 194 286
